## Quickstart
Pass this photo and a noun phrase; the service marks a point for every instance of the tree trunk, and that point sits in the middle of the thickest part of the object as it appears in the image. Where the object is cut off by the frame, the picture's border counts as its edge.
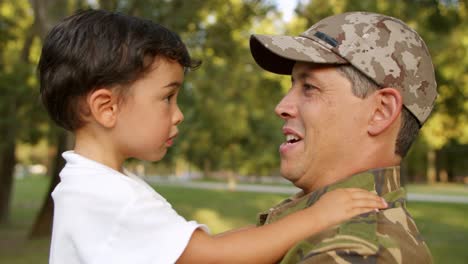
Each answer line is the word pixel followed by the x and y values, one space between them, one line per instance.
pixel 207 168
pixel 43 223
pixel 8 144
pixel 232 181
pixel 7 161
pixel 431 167
pixel 8 155
pixel 7 166
pixel 46 14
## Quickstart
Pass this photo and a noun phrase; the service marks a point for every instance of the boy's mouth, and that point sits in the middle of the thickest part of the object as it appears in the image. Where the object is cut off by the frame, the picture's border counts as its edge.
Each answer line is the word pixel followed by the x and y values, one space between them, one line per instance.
pixel 170 140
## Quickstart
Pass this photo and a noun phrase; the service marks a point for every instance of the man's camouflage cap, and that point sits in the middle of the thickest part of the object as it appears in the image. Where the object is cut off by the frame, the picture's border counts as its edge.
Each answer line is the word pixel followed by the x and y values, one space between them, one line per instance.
pixel 383 48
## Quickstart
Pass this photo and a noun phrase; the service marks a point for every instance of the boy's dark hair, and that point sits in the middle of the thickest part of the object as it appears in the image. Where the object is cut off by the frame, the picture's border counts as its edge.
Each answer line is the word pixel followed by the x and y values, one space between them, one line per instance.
pixel 97 48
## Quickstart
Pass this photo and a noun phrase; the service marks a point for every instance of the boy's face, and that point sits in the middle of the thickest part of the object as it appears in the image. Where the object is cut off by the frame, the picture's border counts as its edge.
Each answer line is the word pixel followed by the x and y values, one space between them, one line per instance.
pixel 148 118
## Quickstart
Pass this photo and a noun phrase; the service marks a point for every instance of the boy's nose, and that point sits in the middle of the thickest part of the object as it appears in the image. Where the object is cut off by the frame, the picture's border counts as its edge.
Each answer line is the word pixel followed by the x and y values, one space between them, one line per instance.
pixel 178 116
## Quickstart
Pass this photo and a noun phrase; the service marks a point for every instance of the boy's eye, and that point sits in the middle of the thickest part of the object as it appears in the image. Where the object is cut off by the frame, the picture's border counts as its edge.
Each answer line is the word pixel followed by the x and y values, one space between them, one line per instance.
pixel 169 97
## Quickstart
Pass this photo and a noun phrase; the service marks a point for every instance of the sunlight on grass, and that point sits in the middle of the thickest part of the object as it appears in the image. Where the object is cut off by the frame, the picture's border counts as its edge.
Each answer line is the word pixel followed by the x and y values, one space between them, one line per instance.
pixel 220 210
pixel 215 222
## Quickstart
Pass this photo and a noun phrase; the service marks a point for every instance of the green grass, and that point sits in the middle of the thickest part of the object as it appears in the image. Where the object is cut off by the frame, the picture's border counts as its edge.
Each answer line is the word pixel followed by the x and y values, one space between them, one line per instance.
pixel 439 188
pixel 28 195
pixel 221 210
pixel 444 226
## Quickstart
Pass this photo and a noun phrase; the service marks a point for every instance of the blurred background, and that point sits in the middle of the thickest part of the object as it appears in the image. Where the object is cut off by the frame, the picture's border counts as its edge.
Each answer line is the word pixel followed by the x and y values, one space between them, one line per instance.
pixel 223 169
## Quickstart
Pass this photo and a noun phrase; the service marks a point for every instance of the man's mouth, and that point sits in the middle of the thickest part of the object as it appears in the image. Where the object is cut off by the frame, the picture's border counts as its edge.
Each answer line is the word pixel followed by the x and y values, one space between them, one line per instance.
pixel 291 138
pixel 291 135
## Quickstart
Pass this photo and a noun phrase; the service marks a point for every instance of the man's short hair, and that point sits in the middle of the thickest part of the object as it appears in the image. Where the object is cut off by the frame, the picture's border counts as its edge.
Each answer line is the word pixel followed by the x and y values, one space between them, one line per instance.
pixel 362 86
pixel 383 48
pixel 97 48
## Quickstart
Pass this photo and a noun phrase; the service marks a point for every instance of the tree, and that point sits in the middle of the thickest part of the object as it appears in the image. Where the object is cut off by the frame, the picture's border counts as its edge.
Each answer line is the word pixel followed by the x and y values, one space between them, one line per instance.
pixel 228 104
pixel 7 152
pixel 17 85
pixel 46 14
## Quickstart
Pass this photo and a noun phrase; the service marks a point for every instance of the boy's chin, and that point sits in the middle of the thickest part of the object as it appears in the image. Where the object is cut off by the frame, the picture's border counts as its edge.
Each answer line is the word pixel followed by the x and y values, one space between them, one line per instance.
pixel 152 157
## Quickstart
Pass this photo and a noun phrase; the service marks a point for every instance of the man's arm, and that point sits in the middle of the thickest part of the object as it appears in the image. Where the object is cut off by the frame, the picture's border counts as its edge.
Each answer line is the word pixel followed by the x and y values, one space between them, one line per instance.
pixel 267 244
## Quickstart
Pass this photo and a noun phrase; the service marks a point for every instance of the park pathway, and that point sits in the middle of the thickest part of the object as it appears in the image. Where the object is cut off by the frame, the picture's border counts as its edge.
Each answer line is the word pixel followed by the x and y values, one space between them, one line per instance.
pixel 291 190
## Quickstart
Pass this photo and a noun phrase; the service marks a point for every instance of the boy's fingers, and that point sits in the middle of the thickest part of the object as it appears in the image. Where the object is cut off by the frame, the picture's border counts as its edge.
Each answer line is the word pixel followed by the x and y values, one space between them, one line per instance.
pixel 360 193
pixel 364 195
pixel 368 203
pixel 364 198
pixel 356 190
pixel 358 211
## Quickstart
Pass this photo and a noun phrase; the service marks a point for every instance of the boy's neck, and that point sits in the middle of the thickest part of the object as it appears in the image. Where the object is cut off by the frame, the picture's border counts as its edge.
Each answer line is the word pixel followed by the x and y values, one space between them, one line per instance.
pixel 98 148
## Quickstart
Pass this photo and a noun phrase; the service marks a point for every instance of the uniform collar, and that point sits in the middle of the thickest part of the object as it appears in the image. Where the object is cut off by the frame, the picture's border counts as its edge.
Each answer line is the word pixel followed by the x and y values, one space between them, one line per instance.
pixel 383 181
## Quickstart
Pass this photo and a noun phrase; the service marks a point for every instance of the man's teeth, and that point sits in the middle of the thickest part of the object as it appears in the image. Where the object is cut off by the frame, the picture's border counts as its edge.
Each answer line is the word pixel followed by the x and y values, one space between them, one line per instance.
pixel 291 138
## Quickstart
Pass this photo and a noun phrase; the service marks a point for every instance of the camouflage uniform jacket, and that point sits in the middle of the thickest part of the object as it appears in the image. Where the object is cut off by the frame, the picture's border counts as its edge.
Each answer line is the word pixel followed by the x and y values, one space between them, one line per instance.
pixel 389 236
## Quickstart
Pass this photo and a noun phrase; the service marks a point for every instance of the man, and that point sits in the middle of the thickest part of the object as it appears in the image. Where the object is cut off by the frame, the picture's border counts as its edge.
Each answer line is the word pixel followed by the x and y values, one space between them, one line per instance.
pixel 362 86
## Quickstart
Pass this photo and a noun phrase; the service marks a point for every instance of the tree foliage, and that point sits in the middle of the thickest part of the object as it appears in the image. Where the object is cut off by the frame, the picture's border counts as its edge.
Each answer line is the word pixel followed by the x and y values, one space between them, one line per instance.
pixel 18 104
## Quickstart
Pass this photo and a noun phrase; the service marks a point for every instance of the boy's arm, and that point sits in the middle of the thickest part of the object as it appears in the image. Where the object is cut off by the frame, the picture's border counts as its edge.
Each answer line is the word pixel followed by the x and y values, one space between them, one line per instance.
pixel 268 243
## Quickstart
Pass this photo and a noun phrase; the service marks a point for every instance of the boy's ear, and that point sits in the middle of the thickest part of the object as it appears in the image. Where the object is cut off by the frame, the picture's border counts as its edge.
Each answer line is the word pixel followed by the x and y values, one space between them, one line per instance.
pixel 387 107
pixel 102 104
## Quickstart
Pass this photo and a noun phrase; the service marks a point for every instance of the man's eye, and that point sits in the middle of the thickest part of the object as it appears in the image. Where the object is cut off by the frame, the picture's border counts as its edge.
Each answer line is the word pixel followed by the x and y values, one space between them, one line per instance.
pixel 308 87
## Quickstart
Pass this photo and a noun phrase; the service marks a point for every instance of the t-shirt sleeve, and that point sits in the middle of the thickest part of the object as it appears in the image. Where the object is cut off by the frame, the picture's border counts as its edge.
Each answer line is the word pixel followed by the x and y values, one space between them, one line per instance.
pixel 148 230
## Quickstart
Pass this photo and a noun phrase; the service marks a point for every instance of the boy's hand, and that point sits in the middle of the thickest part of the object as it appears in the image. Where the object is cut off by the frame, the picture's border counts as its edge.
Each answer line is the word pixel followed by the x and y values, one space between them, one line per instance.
pixel 268 243
pixel 342 204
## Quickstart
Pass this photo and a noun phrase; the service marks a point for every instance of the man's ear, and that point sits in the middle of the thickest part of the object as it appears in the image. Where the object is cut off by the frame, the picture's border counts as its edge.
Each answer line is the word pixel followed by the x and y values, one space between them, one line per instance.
pixel 102 104
pixel 387 107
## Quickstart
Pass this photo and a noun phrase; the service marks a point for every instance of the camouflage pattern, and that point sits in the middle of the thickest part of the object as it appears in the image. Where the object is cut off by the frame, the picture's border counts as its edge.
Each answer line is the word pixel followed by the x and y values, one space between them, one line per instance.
pixel 381 47
pixel 387 236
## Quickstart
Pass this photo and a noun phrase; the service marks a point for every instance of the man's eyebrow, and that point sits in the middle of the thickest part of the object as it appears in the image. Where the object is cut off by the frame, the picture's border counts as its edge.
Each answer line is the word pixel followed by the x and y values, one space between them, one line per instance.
pixel 302 76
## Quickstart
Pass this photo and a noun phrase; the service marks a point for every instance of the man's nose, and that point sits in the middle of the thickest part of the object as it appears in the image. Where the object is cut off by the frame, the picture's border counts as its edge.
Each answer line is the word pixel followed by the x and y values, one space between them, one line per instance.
pixel 286 107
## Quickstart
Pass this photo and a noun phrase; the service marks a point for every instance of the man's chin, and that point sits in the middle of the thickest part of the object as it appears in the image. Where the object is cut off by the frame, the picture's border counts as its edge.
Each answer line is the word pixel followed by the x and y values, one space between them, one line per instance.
pixel 288 174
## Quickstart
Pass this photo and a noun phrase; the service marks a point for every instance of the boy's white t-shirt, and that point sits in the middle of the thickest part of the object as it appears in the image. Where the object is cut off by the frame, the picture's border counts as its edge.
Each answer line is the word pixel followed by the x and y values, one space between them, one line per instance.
pixel 104 216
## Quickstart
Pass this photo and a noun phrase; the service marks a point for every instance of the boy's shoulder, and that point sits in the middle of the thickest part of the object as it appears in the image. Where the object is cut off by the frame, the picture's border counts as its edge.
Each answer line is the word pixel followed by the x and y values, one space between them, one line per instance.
pixel 90 178
pixel 104 216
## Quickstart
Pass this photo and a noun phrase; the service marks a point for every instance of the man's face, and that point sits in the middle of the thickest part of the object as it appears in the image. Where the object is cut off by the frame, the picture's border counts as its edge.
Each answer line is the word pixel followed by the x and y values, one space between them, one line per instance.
pixel 324 123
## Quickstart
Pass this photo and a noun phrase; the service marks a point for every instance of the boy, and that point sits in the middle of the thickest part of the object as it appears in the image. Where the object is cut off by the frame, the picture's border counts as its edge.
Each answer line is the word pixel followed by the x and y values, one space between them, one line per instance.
pixel 113 81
